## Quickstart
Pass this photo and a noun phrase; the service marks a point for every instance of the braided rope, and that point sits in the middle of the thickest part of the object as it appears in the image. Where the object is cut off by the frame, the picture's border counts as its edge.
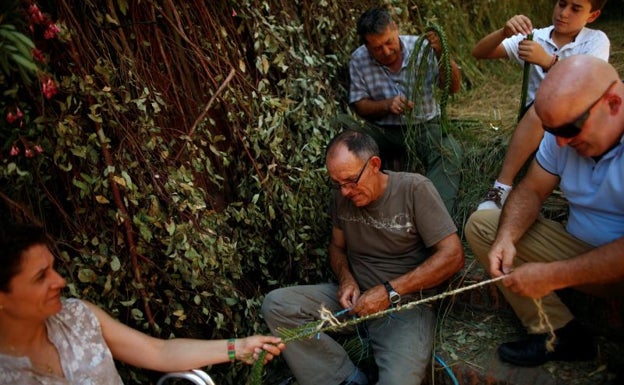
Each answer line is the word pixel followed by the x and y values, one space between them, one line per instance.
pixel 329 322
pixel 324 325
pixel 445 60
pixel 418 69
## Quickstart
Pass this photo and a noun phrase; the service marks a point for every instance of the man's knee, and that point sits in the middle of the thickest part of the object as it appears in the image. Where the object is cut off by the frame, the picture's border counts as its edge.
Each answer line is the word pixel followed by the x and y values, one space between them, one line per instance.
pixel 271 305
pixel 480 231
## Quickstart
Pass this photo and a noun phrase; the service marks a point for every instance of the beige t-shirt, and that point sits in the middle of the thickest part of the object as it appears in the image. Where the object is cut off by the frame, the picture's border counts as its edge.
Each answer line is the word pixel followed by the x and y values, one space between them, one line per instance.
pixel 393 234
pixel 85 357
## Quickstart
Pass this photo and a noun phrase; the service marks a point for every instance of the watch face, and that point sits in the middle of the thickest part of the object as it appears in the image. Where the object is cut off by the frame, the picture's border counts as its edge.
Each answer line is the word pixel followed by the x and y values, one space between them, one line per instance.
pixel 392 294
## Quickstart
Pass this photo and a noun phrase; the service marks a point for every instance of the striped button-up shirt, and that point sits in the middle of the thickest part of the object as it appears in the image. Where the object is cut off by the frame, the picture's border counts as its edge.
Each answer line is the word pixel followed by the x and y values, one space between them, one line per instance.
pixel 374 81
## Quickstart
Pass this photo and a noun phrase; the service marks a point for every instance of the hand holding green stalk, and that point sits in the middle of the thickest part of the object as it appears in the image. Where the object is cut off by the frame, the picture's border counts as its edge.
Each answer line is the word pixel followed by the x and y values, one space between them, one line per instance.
pixel 525 84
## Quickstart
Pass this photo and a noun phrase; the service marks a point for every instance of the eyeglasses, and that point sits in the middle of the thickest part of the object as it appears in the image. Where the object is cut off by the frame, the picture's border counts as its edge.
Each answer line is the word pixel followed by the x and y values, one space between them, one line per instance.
pixel 351 183
pixel 570 130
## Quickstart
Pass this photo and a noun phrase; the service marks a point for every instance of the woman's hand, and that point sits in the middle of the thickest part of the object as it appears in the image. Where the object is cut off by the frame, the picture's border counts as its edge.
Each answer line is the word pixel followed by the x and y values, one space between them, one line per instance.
pixel 248 349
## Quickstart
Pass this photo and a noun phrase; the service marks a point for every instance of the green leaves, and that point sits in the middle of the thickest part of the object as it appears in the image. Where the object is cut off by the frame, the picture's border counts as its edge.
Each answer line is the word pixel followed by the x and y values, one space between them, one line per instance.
pixel 16 53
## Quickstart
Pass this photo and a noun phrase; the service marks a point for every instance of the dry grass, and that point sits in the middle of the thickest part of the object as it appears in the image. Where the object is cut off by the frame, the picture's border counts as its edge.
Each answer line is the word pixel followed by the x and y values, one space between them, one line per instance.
pixel 613 29
pixel 501 91
pixel 484 117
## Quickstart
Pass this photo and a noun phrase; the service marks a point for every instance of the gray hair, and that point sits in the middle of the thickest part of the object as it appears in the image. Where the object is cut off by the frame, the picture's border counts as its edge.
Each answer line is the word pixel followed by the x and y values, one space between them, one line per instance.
pixel 358 143
pixel 373 22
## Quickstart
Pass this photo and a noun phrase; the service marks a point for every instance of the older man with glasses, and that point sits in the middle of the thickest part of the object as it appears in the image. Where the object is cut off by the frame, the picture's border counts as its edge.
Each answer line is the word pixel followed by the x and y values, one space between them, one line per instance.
pixel 581 105
pixel 392 241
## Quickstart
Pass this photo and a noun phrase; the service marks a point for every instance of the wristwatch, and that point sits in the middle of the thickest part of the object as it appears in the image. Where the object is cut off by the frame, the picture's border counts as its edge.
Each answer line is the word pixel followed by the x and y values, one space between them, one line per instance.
pixel 394 297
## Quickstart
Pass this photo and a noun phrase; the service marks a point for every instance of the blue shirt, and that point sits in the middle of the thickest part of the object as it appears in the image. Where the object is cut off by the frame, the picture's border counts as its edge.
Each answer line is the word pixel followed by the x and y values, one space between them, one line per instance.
pixel 593 189
pixel 372 80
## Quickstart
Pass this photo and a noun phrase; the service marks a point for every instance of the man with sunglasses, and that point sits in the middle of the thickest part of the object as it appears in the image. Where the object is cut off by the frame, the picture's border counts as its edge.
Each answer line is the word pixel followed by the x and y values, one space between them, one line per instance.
pixel 392 242
pixel 581 106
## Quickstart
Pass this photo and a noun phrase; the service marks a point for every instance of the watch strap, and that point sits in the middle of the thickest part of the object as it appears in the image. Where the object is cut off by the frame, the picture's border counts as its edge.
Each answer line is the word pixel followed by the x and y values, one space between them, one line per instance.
pixel 393 295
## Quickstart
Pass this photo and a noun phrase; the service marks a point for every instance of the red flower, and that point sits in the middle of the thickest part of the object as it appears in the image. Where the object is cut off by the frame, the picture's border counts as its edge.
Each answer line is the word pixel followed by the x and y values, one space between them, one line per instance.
pixel 39 55
pixel 11 117
pixel 14 150
pixel 51 31
pixel 38 149
pixel 36 16
pixel 48 87
pixel 29 153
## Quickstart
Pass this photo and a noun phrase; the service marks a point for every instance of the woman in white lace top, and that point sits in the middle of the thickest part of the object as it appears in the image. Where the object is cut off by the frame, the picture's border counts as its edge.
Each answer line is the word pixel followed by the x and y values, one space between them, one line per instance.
pixel 47 340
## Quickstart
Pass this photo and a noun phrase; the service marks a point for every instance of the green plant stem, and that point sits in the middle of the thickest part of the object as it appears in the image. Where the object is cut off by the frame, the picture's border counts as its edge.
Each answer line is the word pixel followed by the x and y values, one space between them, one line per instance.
pixel 525 84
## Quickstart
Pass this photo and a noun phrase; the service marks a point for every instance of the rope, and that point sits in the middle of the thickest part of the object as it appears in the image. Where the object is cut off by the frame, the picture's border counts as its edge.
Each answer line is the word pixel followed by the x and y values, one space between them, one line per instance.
pixel 422 137
pixel 327 326
pixel 544 321
pixel 329 322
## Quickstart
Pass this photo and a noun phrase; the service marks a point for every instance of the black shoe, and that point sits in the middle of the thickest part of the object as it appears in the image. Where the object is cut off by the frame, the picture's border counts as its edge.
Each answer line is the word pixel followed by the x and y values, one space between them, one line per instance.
pixel 573 342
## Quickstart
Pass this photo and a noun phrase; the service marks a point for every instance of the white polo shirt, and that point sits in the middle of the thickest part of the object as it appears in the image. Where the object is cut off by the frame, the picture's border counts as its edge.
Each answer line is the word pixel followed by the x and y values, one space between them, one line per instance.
pixel 588 41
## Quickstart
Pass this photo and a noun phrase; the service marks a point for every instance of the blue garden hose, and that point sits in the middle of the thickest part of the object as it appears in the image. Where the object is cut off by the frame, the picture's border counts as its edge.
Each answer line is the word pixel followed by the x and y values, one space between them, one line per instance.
pixel 447 369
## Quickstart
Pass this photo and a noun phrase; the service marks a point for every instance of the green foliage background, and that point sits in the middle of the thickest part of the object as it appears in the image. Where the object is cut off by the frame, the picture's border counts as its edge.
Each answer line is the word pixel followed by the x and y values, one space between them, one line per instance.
pixel 182 169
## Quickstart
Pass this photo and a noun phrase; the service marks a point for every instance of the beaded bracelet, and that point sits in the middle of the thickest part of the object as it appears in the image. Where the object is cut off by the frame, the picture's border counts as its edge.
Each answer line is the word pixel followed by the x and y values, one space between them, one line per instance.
pixel 231 349
pixel 555 59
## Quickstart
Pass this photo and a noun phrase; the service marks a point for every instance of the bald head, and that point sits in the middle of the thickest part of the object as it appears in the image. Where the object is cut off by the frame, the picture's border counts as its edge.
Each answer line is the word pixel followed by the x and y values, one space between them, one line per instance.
pixel 571 86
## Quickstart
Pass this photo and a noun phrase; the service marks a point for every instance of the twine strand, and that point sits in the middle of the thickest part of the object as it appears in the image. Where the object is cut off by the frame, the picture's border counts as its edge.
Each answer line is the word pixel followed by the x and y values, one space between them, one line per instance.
pixel 545 322
pixel 331 323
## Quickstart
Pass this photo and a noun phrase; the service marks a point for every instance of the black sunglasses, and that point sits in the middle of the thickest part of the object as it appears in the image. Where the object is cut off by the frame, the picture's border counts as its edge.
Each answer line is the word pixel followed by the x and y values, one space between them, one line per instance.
pixel 351 183
pixel 570 130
